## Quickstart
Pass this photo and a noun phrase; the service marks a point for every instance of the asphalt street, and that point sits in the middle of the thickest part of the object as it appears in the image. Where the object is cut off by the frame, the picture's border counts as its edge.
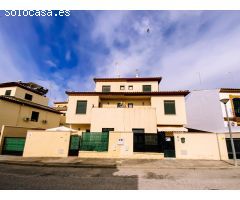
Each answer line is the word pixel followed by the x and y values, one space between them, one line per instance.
pixel 35 177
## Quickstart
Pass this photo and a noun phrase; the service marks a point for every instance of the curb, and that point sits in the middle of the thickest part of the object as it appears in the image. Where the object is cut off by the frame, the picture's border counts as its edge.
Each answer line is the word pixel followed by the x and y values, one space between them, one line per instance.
pixel 72 165
pixel 79 165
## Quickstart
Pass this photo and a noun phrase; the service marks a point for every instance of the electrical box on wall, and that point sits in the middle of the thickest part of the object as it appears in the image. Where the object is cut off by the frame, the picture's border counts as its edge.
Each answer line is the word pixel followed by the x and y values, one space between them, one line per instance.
pixel 120 141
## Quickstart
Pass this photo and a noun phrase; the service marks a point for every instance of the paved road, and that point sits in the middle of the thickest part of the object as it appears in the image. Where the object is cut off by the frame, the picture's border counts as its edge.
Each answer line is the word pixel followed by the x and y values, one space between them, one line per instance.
pixel 33 177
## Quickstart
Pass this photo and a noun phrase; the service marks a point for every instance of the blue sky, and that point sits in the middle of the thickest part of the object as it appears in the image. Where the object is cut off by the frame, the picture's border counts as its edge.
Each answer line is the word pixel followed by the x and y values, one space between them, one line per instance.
pixel 189 49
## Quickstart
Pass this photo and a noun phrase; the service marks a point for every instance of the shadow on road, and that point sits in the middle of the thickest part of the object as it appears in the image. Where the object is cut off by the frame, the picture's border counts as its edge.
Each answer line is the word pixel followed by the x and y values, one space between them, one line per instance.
pixel 60 178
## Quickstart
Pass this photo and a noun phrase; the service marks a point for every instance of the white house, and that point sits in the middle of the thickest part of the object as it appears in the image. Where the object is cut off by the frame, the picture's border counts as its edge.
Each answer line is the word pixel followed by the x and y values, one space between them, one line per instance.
pixel 205 112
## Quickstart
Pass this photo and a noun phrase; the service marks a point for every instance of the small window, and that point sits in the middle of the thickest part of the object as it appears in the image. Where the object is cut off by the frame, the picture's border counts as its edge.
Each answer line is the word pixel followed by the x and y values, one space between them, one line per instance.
pixel 35 116
pixel 147 88
pixel 28 97
pixel 81 107
pixel 8 92
pixel 106 88
pixel 87 130
pixel 169 108
pixel 138 130
pixel 122 87
pixel 130 87
pixel 107 129
pixel 130 105
pixel 120 105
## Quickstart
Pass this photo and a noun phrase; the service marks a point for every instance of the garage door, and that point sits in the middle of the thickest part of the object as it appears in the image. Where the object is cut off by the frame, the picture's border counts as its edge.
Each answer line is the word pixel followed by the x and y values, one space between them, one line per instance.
pixel 13 145
pixel 236 142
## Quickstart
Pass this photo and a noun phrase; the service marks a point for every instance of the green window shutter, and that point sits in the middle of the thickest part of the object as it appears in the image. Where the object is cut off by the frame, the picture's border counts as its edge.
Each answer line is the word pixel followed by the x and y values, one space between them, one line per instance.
pixel 236 104
pixel 106 88
pixel 169 108
pixel 147 88
pixel 81 107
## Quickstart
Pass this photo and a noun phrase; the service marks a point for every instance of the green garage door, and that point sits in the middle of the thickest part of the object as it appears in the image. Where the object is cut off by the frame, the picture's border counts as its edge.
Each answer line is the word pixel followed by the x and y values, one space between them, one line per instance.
pixel 94 141
pixel 13 145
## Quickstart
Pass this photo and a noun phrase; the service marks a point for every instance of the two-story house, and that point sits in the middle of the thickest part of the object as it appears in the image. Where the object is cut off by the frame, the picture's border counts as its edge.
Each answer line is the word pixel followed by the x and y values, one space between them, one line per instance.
pixel 23 106
pixel 127 105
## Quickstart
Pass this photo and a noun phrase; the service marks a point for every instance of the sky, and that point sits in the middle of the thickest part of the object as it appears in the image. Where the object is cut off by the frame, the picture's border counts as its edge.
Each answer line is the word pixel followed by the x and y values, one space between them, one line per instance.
pixel 189 49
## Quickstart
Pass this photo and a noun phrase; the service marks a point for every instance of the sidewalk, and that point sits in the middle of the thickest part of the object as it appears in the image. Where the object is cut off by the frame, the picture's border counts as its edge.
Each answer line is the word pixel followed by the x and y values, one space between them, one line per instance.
pixel 120 163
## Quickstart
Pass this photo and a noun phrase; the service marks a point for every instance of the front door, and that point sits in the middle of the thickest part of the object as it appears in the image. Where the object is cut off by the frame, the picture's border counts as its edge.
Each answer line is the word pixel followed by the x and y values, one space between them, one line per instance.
pixel 236 142
pixel 74 145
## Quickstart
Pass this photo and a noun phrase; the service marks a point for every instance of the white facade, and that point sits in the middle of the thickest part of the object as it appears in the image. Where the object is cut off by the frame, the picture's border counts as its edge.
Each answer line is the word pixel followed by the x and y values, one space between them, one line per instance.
pixel 205 112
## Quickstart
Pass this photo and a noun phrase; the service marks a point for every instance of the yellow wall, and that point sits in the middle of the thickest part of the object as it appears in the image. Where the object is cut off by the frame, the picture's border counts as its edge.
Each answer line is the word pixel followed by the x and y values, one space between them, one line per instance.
pixel 162 119
pixel 72 117
pixel 209 146
pixel 137 86
pixel 12 114
pixel 20 93
pixel 46 144
pixel 124 119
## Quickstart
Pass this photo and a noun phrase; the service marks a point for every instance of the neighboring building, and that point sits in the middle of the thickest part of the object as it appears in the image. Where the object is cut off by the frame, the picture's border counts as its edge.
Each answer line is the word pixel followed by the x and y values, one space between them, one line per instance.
pixel 25 105
pixel 61 107
pixel 205 112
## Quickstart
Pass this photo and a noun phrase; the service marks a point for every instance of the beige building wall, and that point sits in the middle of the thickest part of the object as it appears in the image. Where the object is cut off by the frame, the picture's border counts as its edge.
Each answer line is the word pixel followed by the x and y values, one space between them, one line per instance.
pixel 136 102
pixel 162 119
pixel 12 114
pixel 20 93
pixel 72 117
pixel 124 119
pixel 137 86
pixel 80 127
pixel 47 144
pixel 209 146
pixel 13 90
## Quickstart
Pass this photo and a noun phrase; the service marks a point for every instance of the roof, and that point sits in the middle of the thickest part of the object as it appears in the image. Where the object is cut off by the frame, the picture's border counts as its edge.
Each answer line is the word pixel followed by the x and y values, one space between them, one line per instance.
pixel 161 93
pixel 28 103
pixel 230 90
pixel 60 102
pixel 61 129
pixel 33 87
pixel 135 79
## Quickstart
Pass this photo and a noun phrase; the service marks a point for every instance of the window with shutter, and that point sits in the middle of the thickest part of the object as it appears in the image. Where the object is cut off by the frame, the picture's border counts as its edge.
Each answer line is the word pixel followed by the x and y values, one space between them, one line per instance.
pixel 81 107
pixel 169 108
pixel 147 88
pixel 236 104
pixel 106 88
pixel 8 92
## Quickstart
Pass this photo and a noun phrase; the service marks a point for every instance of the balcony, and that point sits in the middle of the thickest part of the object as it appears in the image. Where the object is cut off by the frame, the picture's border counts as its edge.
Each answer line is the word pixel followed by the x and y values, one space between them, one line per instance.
pixel 124 119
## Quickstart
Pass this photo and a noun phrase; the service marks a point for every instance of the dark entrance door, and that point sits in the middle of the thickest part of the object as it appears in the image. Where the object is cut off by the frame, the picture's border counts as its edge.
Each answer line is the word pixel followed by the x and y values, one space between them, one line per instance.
pixel 74 145
pixel 146 142
pixel 236 142
pixel 168 146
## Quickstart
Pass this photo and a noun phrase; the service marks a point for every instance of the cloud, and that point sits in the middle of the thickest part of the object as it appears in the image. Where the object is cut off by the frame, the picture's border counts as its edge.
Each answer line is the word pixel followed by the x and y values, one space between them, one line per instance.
pixel 181 46
pixel 189 49
pixel 50 63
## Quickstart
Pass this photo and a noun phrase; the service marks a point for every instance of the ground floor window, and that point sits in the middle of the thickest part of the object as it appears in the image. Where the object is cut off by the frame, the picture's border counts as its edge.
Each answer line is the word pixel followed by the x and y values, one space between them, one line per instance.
pixel 107 129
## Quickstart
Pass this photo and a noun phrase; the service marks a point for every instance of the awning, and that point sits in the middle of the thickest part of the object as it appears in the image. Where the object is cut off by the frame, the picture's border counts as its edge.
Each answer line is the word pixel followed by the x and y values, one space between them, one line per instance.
pixel 172 129
pixel 61 129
